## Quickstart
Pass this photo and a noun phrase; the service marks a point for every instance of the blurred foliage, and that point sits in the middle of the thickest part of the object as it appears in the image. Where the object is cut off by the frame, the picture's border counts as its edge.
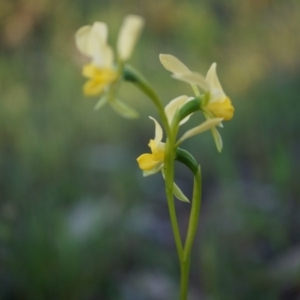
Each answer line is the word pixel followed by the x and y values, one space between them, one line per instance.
pixel 78 221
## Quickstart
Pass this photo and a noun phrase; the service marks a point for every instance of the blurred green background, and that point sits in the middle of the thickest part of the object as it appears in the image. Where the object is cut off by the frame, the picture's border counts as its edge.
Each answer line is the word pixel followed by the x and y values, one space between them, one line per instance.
pixel 78 220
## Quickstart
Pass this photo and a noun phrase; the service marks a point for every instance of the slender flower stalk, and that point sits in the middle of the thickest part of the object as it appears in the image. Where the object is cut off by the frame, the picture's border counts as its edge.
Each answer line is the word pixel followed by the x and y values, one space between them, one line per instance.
pixel 105 74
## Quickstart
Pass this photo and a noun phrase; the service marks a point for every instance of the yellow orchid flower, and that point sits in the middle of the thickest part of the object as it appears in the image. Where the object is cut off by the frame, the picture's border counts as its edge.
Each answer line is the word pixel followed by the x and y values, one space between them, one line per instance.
pixel 152 163
pixel 102 72
pixel 217 105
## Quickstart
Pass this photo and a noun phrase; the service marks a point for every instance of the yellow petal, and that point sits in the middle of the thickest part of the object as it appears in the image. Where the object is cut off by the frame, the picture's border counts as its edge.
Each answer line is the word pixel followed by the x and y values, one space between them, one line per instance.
pixel 157 149
pixel 158 131
pixel 128 35
pixel 146 162
pixel 99 79
pixel 173 64
pixel 93 87
pixel 90 71
pixel 222 109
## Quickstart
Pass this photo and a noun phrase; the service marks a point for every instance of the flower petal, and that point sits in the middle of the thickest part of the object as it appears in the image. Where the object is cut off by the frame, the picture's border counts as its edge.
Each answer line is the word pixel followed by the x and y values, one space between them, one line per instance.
pixel 209 124
pixel 218 139
pixel 212 78
pixel 173 64
pixel 103 56
pixel 81 39
pixel 146 162
pixel 175 105
pixel 177 191
pixel 158 131
pixel 155 170
pixel 193 78
pixel 128 35
pixel 88 37
pixel 123 109
pixel 93 87
pixel 101 102
pixel 179 194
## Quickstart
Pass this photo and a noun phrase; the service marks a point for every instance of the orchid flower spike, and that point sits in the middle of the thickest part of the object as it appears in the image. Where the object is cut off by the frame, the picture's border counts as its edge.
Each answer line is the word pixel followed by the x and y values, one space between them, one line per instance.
pixel 103 72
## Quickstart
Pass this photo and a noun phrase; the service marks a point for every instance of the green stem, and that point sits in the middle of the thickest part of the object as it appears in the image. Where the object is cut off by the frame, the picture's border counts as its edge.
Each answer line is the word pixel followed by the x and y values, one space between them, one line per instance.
pixel 169 180
pixel 141 82
pixel 193 222
pixel 184 279
pixel 194 217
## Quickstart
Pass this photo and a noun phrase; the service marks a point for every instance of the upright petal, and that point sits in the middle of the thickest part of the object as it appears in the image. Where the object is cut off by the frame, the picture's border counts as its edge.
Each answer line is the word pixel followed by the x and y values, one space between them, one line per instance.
pixel 158 131
pixel 128 35
pixel 88 37
pixel 103 57
pixel 212 78
pixel 175 105
pixel 173 64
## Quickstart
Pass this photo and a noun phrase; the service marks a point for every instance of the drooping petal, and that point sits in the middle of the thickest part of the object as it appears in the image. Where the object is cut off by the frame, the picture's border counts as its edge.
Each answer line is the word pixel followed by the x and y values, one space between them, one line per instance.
pixel 123 109
pixel 175 105
pixel 155 170
pixel 173 64
pixel 176 190
pixel 193 78
pixel 101 102
pixel 158 131
pixel 128 35
pixel 208 124
pixel 218 139
pixel 88 37
pixel 179 194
